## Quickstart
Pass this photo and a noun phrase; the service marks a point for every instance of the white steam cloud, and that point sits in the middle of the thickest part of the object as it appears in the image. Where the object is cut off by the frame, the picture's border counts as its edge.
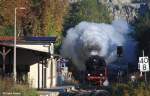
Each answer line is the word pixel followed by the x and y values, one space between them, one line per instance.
pixel 87 39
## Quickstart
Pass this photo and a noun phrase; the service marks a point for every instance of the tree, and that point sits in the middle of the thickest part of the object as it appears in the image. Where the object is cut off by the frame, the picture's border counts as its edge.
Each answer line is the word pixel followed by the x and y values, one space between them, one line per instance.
pixel 53 16
pixel 40 18
pixel 142 32
pixel 94 11
pixel 86 10
pixel 7 8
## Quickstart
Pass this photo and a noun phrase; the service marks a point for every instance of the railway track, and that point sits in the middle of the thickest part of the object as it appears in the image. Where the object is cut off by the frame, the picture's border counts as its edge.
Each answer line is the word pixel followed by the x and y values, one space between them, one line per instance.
pixel 86 93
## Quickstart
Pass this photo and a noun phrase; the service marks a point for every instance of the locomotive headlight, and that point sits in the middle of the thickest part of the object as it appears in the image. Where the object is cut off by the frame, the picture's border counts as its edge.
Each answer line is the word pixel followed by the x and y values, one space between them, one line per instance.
pixel 89 74
pixel 100 74
pixel 106 83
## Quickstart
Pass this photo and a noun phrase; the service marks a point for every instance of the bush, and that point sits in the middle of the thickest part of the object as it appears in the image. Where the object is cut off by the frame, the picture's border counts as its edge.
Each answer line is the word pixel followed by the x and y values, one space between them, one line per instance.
pixel 129 90
pixel 7 86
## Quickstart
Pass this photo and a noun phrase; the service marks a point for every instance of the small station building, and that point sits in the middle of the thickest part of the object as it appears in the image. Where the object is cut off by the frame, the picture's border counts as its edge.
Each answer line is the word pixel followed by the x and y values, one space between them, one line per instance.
pixel 35 60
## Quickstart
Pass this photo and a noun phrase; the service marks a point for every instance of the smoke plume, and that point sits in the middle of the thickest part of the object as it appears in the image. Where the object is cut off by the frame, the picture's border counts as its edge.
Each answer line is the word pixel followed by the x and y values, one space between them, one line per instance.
pixel 86 39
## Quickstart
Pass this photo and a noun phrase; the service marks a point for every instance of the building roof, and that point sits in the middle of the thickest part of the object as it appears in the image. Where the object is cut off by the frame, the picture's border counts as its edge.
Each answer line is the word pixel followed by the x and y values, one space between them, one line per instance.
pixel 31 43
pixel 46 39
pixel 39 47
pixel 29 39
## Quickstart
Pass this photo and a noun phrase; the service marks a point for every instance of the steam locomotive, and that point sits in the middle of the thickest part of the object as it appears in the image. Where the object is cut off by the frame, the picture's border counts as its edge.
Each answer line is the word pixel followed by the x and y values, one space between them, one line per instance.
pixel 96 70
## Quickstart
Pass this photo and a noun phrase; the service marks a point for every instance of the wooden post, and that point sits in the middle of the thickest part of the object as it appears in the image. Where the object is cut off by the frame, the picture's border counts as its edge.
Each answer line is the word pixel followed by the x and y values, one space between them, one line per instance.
pixel 4 53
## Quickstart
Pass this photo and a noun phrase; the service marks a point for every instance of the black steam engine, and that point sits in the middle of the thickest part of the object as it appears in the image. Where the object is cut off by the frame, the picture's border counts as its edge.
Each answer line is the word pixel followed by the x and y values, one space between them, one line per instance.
pixel 96 70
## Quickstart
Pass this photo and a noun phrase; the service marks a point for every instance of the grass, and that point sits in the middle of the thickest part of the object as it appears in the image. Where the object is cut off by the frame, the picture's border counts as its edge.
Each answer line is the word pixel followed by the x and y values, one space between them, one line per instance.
pixel 7 86
pixel 127 89
pixel 131 90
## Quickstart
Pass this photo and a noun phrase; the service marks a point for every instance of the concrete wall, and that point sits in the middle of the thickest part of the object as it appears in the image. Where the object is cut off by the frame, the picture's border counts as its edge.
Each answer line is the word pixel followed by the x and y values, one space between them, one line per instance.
pixel 33 75
pixel 43 79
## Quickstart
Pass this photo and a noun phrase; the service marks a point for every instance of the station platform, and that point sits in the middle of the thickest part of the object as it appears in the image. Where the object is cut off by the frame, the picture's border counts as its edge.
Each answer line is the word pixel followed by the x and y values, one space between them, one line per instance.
pixel 55 91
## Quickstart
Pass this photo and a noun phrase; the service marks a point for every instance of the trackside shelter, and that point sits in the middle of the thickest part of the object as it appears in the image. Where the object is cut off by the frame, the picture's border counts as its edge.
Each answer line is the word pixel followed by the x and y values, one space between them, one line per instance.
pixel 35 61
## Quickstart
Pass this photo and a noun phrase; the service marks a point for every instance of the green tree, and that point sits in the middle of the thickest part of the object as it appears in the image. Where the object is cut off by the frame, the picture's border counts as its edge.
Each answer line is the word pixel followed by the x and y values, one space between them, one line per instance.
pixel 142 32
pixel 93 11
pixel 87 10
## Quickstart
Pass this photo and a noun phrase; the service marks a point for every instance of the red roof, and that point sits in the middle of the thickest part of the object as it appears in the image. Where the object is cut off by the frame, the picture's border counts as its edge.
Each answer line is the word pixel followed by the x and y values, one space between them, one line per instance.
pixel 6 38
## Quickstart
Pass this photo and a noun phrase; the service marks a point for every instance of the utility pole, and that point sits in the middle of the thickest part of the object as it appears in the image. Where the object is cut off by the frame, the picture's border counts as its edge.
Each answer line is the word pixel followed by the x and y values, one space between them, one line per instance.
pixel 145 72
pixel 15 29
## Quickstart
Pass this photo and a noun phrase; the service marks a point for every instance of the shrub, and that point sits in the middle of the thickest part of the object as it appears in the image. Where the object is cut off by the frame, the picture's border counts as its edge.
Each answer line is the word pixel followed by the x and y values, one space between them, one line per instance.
pixel 7 86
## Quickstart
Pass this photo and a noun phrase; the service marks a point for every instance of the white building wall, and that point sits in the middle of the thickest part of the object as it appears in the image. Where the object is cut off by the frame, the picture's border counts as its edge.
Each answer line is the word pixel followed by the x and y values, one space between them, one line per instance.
pixel 54 78
pixel 51 74
pixel 33 75
pixel 51 70
pixel 48 75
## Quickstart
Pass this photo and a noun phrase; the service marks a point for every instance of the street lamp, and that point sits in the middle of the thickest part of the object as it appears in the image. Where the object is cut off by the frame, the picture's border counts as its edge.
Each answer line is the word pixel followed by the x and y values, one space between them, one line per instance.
pixel 15 25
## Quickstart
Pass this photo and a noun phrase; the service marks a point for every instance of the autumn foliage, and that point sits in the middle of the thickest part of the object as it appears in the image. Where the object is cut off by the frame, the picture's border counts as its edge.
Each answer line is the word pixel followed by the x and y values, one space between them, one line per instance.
pixel 40 18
